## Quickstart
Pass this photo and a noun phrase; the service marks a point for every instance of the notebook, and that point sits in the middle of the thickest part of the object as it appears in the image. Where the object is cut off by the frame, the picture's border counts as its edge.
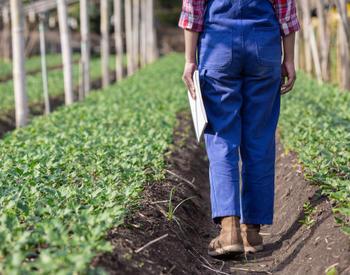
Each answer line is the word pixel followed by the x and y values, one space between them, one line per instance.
pixel 199 116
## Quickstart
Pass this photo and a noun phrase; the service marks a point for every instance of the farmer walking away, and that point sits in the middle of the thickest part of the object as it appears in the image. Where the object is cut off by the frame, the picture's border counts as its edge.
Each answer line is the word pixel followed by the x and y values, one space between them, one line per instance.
pixel 237 46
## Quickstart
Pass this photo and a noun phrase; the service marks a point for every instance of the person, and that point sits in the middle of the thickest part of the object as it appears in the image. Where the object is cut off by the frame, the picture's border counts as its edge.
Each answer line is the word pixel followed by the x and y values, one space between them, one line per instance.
pixel 244 52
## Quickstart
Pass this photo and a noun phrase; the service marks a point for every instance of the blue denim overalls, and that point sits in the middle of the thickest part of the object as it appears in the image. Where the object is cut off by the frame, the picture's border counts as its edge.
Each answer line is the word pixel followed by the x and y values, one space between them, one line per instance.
pixel 239 61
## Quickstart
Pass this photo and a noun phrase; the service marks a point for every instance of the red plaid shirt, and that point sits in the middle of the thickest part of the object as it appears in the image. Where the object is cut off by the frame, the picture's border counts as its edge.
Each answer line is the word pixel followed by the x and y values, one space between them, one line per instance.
pixel 193 12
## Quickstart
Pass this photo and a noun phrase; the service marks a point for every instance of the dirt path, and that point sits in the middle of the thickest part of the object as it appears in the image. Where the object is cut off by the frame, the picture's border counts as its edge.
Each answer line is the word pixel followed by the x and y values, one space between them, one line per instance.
pixel 290 246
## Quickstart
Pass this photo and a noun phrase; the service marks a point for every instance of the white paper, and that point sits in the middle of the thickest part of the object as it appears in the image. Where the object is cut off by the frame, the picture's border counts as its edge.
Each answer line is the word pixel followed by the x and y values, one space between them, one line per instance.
pixel 199 116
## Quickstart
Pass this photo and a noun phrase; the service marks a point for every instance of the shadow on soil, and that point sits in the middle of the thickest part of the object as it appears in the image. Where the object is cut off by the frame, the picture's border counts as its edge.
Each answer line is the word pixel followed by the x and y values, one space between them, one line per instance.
pixel 150 242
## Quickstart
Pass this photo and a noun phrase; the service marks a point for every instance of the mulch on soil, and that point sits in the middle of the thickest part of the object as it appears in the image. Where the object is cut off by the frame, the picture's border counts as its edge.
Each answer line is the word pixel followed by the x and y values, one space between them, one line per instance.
pixel 291 247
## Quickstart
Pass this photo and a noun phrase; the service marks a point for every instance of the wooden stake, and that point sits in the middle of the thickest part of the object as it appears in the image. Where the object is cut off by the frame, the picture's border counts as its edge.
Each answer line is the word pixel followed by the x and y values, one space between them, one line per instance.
pixel 306 32
pixel 324 39
pixel 6 38
pixel 344 45
pixel 105 42
pixel 344 58
pixel 129 40
pixel 143 36
pixel 85 46
pixel 315 54
pixel 19 78
pixel 136 33
pixel 297 51
pixel 66 51
pixel 343 12
pixel 152 50
pixel 118 39
pixel 42 19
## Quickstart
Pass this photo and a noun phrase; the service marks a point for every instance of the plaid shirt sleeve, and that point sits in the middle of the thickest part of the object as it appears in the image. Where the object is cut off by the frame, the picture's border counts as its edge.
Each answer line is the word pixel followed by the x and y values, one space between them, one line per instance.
pixel 192 14
pixel 287 16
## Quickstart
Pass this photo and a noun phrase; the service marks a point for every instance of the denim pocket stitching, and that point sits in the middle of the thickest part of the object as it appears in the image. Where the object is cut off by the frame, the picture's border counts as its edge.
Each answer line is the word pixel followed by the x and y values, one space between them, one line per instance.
pixel 261 60
pixel 210 65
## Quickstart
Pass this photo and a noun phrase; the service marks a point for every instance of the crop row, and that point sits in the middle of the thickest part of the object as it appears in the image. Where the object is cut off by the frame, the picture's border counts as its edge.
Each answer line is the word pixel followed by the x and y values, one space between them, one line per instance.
pixel 69 177
pixel 33 64
pixel 315 123
pixel 55 84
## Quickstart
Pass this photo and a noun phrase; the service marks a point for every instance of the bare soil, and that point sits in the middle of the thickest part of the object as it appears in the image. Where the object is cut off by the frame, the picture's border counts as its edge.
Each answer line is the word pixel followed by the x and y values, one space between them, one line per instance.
pixel 291 246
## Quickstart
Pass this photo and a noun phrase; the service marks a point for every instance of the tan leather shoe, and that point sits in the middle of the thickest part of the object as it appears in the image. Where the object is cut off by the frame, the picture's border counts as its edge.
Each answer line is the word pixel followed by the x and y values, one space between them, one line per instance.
pixel 252 240
pixel 229 239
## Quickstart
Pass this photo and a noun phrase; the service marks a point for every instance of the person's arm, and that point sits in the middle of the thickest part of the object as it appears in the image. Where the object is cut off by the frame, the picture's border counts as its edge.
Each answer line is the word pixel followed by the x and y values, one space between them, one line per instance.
pixel 287 17
pixel 288 67
pixel 191 39
pixel 191 20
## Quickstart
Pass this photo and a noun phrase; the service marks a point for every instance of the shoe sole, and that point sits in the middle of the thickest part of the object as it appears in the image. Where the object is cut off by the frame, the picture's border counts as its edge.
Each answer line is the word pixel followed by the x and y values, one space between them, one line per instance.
pixel 253 249
pixel 226 250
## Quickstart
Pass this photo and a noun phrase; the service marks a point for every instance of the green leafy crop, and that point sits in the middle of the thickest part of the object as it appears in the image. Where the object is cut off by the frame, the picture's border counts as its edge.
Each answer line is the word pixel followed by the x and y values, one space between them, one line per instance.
pixel 69 177
pixel 315 123
pixel 55 84
pixel 34 63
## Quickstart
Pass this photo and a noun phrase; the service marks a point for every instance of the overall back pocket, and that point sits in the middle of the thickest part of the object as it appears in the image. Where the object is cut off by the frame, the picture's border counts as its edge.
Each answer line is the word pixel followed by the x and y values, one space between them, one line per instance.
pixel 268 45
pixel 215 49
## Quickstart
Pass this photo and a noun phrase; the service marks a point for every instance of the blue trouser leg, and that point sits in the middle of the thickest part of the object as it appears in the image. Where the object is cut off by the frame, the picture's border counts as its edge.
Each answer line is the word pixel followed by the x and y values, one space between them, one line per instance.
pixel 239 62
pixel 259 112
pixel 223 101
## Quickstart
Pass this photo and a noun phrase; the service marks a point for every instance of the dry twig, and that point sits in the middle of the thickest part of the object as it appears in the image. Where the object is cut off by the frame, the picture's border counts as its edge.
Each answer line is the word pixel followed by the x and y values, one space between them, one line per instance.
pixel 151 242
pixel 249 270
pixel 182 178
pixel 215 270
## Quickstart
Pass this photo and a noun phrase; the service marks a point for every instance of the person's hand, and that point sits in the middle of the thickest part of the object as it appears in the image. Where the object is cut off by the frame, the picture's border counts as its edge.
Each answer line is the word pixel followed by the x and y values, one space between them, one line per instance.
pixel 187 77
pixel 288 76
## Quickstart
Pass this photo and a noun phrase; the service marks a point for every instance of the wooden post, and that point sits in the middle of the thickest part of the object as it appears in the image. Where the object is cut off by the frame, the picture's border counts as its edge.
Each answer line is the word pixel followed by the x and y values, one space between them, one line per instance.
pixel 155 52
pixel 118 39
pixel 344 58
pixel 315 54
pixel 297 51
pixel 66 51
pixel 344 45
pixel 306 32
pixel 342 10
pixel 136 33
pixel 152 51
pixel 19 77
pixel 42 19
pixel 105 42
pixel 6 43
pixel 85 46
pixel 143 36
pixel 129 40
pixel 324 39
pixel 81 93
